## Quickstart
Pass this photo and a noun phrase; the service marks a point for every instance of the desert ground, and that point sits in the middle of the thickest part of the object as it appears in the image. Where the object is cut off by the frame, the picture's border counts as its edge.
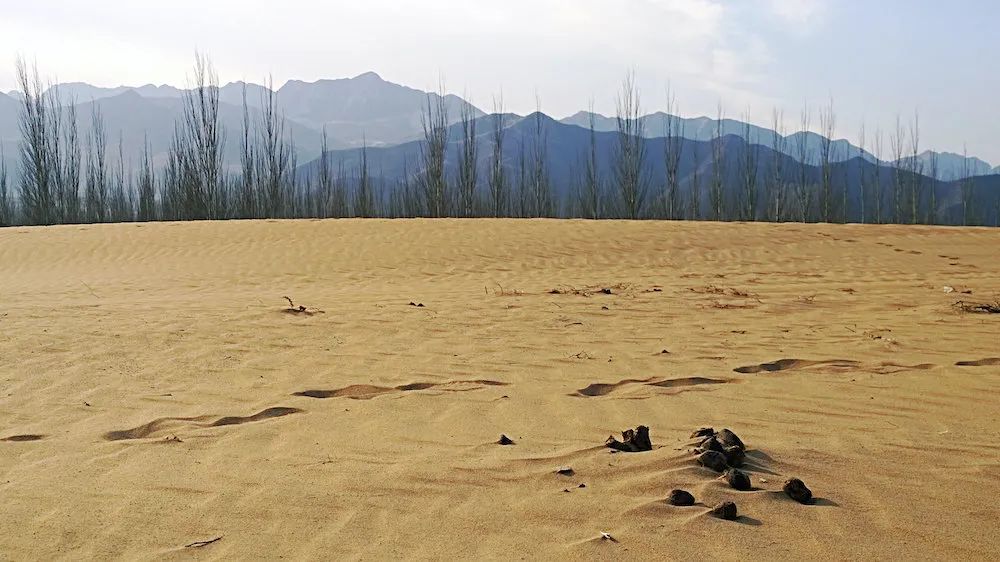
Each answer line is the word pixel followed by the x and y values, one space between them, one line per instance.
pixel 160 399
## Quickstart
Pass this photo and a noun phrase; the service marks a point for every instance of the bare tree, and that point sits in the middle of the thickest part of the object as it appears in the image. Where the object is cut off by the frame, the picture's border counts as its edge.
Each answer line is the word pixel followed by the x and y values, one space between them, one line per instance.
pixel 97 200
pixel 803 193
pixel 6 201
pixel 247 202
pixel 915 169
pixel 121 198
pixel 932 210
pixel 827 125
pixel 328 206
pixel 523 181
pixel 897 148
pixel 778 190
pixel 38 170
pixel 968 211
pixel 274 154
pixel 433 181
pixel 717 189
pixel 195 172
pixel 750 167
pixel 499 195
pixel 673 146
pixel 468 162
pixel 541 204
pixel 879 197
pixel 72 161
pixel 630 155
pixel 862 175
pixel 364 200
pixel 592 184
pixel 146 185
pixel 694 195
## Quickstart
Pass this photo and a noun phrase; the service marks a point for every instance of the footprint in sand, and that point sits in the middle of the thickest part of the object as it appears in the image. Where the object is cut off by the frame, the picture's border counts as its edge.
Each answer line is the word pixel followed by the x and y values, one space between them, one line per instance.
pixel 792 364
pixel 367 391
pixel 160 424
pixel 23 438
pixel 603 389
pixel 989 361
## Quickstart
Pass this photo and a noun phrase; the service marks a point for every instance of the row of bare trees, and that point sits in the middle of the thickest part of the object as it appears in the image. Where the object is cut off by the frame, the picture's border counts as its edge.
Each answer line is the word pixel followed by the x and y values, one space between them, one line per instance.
pixel 65 178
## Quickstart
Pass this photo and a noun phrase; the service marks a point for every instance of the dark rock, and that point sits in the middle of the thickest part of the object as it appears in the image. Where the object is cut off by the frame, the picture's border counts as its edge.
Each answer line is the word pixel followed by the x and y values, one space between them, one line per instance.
pixel 680 498
pixel 566 471
pixel 729 439
pixel 725 510
pixel 711 444
pixel 582 485
pixel 713 460
pixel 738 480
pixel 504 440
pixel 797 490
pixel 703 432
pixel 734 456
pixel 633 441
pixel 606 291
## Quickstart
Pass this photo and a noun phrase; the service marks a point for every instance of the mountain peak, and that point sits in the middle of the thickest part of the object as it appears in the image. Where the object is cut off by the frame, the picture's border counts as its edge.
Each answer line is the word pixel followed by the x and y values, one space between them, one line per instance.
pixel 369 76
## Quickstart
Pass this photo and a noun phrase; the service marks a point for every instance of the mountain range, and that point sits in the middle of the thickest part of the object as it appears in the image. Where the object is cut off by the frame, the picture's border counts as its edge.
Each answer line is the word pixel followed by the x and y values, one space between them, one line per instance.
pixel 568 145
pixel 366 109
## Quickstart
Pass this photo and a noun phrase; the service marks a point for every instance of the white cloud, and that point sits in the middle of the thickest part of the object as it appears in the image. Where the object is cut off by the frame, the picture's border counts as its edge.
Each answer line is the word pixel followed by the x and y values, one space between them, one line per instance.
pixel 797 12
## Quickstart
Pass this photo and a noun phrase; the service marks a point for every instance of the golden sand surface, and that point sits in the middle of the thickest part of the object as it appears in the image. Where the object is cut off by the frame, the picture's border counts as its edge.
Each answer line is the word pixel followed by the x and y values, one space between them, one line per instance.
pixel 155 391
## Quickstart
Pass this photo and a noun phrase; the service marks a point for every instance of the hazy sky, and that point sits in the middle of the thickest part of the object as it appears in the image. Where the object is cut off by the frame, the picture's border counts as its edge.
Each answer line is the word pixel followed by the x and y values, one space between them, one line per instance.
pixel 875 58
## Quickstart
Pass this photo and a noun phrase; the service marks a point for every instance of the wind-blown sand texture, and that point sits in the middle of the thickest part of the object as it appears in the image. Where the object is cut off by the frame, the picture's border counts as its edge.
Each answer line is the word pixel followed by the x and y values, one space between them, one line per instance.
pixel 154 393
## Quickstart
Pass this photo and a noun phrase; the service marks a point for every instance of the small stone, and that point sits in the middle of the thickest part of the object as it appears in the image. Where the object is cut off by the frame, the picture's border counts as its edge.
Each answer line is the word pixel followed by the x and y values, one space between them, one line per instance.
pixel 725 510
pixel 712 444
pixel 680 498
pixel 504 440
pixel 738 480
pixel 566 471
pixel 729 439
pixel 633 441
pixel 606 291
pixel 582 485
pixel 734 456
pixel 703 432
pixel 798 491
pixel 713 460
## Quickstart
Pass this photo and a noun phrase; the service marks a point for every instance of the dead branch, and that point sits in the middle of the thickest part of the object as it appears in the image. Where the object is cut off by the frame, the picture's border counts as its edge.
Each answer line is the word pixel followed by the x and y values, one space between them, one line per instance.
pixel 199 544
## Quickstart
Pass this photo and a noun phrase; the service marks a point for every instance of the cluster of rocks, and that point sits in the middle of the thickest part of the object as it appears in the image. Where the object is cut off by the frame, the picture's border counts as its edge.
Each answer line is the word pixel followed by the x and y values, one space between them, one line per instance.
pixel 724 452
pixel 721 451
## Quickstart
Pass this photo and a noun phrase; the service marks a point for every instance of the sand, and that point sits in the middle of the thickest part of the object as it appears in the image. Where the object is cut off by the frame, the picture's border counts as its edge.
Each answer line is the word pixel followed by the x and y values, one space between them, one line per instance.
pixel 154 392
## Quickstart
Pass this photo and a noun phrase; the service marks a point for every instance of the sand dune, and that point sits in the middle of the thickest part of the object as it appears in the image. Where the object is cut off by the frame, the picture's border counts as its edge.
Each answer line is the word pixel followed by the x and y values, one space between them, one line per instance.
pixel 154 396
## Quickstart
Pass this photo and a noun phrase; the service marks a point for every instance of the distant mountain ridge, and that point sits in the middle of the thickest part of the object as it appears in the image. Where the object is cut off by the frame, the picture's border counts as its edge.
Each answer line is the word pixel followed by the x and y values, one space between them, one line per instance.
pixel 367 109
pixel 568 146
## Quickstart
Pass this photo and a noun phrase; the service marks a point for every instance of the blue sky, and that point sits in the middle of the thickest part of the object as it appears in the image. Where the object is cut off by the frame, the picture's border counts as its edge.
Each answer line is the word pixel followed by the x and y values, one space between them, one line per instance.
pixel 875 59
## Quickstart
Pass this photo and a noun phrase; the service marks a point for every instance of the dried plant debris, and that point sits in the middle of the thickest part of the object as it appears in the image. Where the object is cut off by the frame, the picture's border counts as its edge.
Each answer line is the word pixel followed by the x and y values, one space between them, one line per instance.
pixel 633 441
pixel 300 309
pixel 978 307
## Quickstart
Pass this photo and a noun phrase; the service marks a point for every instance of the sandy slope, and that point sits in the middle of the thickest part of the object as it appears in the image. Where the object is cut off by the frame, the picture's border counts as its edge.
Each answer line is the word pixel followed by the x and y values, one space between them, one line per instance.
pixel 156 365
